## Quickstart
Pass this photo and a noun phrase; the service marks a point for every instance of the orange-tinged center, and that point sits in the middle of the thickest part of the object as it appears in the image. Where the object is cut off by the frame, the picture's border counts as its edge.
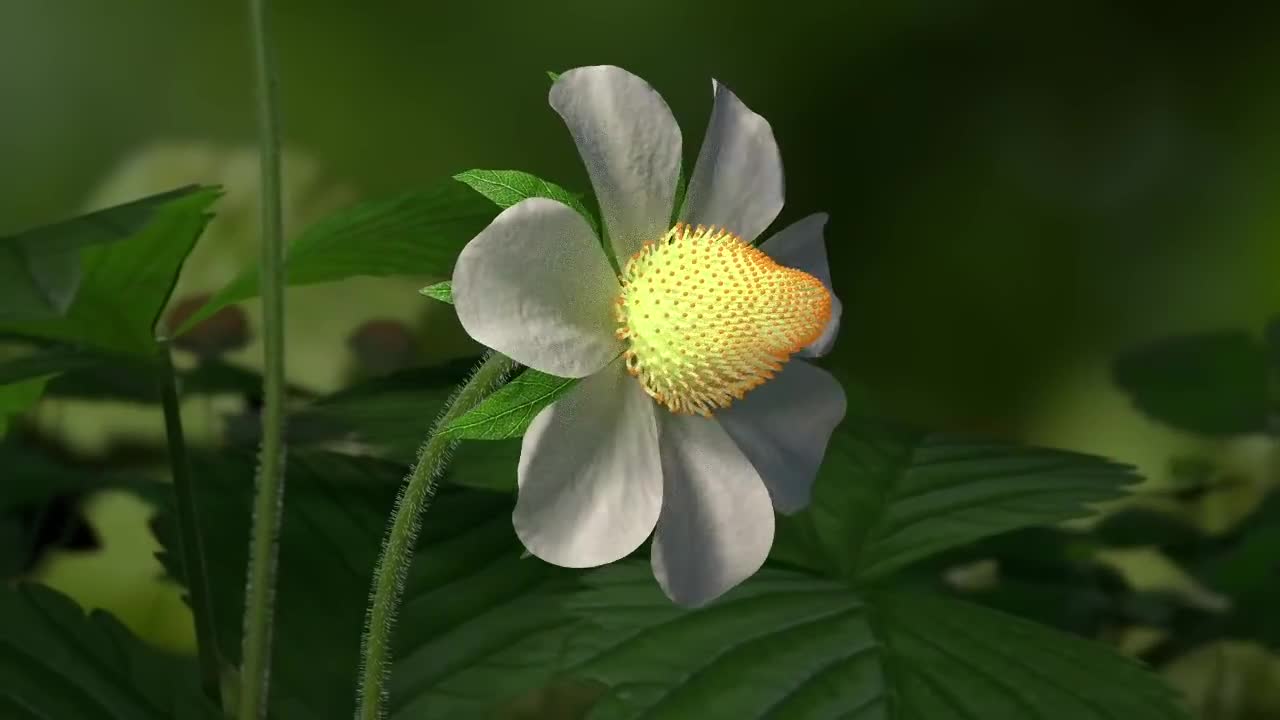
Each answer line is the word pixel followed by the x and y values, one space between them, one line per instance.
pixel 708 317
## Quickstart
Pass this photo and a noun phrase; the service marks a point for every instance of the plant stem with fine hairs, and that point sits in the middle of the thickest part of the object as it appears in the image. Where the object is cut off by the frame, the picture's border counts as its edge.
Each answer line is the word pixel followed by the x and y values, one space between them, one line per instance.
pixel 190 545
pixel 402 536
pixel 259 605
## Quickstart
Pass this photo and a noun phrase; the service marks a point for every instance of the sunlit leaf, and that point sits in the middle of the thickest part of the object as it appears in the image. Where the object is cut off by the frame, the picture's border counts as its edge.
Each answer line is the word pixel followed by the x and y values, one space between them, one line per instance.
pixel 508 187
pixel 682 187
pixel 885 497
pixel 40 269
pixel 508 412
pixel 417 233
pixel 442 291
pixel 124 285
pixel 1213 383
pixel 62 665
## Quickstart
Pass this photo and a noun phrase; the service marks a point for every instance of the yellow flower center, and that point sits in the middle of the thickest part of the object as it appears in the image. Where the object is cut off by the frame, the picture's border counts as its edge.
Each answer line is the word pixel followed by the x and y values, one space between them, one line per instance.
pixel 708 317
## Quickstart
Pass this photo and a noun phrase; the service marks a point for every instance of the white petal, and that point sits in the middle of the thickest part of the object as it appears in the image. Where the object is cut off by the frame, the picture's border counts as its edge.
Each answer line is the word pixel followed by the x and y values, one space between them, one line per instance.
pixel 737 181
pixel 801 245
pixel 784 426
pixel 590 474
pixel 630 143
pixel 536 287
pixel 716 526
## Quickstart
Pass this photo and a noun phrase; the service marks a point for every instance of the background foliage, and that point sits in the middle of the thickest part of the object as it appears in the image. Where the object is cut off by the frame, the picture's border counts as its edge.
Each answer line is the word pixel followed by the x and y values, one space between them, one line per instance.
pixel 1051 224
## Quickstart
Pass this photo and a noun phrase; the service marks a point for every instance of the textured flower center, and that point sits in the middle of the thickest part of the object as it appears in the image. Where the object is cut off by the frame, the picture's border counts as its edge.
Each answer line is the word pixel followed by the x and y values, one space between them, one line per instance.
pixel 708 317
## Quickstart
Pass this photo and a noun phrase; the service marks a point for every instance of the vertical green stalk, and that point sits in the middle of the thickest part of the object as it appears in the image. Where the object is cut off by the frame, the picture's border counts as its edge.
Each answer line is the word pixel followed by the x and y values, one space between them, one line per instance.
pixel 190 545
pixel 267 505
pixel 1271 343
pixel 402 536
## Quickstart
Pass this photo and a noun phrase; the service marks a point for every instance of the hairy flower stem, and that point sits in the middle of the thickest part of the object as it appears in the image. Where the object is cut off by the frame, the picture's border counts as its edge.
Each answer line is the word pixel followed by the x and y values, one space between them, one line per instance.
pixel 268 502
pixel 190 545
pixel 402 535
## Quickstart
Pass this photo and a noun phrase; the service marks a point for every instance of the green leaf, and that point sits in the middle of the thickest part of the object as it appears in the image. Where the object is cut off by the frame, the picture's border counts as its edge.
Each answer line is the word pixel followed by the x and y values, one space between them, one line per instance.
pixel 40 269
pixel 417 233
pixel 1242 566
pixel 508 187
pixel 87 374
pixel 682 187
pixel 390 417
pixel 467 595
pixel 124 285
pixel 484 634
pixel 1145 527
pixel 1047 575
pixel 788 646
pixel 23 378
pixel 61 665
pixel 1212 383
pixel 132 380
pixel 553 75
pixel 38 505
pixel 946 658
pixel 47 361
pixel 886 498
pixel 16 397
pixel 508 412
pixel 442 291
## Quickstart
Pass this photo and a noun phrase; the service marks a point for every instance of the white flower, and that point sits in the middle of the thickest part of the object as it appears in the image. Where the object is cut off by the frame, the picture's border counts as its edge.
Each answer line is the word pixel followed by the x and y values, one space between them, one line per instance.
pixel 701 319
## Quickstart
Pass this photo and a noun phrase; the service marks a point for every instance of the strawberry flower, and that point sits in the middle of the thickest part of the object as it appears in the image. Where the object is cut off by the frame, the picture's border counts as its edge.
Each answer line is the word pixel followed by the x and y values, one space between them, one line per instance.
pixel 696 416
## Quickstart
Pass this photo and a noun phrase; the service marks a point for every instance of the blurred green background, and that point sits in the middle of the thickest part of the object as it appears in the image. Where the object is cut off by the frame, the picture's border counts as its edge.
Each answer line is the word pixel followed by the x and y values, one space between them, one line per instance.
pixel 1018 191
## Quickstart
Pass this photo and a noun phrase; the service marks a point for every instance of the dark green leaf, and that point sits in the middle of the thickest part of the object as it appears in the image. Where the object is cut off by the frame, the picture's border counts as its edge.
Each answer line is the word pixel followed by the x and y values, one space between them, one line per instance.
pixel 885 498
pixel 131 380
pixel 946 658
pixel 38 506
pixel 47 361
pixel 31 477
pixel 390 417
pixel 484 634
pixel 442 291
pixel 40 269
pixel 61 665
pixel 1143 527
pixel 1244 568
pixel 467 597
pixel 124 285
pixel 789 646
pixel 1047 575
pixel 1212 383
pixel 508 187
pixel 417 233
pixel 16 397
pixel 508 412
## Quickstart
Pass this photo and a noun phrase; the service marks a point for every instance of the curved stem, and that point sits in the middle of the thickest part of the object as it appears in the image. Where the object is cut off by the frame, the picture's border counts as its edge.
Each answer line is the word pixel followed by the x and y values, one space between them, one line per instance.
pixel 402 537
pixel 190 545
pixel 267 505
